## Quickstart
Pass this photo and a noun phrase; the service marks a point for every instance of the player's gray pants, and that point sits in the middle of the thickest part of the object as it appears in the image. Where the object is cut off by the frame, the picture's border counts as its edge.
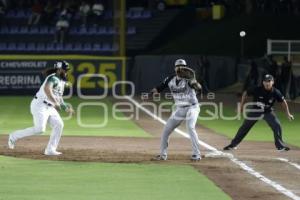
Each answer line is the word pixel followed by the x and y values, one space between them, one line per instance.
pixel 190 115
pixel 272 121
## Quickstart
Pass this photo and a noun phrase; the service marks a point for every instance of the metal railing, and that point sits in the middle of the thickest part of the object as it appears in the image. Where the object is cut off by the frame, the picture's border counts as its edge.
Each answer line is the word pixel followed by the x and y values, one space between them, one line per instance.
pixel 289 48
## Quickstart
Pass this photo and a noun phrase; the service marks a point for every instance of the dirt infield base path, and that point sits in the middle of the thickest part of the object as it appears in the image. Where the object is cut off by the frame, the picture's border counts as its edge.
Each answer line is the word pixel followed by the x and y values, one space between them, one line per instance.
pixel 226 175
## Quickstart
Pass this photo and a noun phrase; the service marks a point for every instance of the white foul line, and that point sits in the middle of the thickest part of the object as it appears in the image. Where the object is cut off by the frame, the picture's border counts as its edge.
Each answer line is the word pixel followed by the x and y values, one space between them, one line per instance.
pixel 243 165
pixel 289 162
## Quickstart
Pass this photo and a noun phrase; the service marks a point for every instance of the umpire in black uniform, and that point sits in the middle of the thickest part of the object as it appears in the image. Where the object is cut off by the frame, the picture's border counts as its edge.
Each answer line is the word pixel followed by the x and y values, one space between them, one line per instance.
pixel 264 98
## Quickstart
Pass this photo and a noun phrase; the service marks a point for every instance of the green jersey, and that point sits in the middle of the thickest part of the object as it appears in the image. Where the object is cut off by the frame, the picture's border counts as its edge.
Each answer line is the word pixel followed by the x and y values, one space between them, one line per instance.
pixel 58 86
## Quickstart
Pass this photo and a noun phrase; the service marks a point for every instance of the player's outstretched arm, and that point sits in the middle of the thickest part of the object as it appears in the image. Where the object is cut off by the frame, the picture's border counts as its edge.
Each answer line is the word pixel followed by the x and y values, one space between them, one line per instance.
pixel 162 86
pixel 287 110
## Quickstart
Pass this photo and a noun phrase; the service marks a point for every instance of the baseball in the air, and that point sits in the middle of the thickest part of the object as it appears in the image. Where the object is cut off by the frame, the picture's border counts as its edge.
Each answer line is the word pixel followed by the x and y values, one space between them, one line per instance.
pixel 242 33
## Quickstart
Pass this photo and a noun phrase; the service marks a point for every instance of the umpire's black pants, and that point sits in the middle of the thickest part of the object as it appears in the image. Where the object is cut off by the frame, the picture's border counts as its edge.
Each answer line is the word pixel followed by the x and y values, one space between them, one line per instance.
pixel 252 118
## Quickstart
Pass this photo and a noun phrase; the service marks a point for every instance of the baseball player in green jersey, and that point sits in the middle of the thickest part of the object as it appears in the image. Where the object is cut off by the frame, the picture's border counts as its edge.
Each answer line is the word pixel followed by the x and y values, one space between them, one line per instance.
pixel 44 109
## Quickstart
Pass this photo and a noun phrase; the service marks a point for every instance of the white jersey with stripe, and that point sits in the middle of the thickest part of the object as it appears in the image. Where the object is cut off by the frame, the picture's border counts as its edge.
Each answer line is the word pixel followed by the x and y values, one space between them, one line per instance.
pixel 57 89
pixel 182 92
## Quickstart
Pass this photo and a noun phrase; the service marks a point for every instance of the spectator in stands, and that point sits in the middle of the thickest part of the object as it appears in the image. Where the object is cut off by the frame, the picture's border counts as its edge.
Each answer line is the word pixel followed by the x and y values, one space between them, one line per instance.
pixel 84 12
pixel 252 77
pixel 68 9
pixel 62 29
pixel 97 12
pixel 37 10
pixel 65 12
pixel 286 77
pixel 72 7
pixel 49 12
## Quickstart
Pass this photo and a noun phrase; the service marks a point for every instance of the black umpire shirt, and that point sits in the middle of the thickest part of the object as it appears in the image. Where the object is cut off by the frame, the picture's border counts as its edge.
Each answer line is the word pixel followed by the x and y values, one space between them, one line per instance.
pixel 265 99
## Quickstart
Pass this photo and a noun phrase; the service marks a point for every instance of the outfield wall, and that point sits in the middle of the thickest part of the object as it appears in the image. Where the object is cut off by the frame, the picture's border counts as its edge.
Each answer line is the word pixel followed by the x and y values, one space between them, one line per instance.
pixel 149 71
pixel 21 74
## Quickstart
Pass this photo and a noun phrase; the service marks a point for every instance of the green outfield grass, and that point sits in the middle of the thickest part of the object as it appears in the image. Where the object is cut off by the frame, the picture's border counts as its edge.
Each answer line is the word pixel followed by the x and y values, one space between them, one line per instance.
pixel 260 132
pixel 15 114
pixel 39 179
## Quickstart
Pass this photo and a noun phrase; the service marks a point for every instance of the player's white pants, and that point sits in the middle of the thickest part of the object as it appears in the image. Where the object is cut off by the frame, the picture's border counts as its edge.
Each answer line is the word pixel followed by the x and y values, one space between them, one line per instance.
pixel 190 115
pixel 43 114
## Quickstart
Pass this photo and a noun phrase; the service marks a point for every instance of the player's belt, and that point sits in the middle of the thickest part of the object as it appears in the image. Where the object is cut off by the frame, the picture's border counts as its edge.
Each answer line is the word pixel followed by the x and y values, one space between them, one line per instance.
pixel 185 106
pixel 45 102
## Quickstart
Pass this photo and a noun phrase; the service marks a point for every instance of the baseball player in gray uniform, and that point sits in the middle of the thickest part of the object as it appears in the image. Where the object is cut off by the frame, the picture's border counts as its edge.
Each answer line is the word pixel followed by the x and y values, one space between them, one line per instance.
pixel 187 108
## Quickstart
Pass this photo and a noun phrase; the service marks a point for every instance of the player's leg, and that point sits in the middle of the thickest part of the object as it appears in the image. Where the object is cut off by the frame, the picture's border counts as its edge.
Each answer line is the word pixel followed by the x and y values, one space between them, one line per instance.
pixel 243 130
pixel 40 117
pixel 173 122
pixel 275 125
pixel 191 120
pixel 57 125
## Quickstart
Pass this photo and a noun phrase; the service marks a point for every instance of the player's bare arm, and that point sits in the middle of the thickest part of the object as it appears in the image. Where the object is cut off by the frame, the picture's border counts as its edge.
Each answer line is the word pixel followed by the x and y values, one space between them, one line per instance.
pixel 285 107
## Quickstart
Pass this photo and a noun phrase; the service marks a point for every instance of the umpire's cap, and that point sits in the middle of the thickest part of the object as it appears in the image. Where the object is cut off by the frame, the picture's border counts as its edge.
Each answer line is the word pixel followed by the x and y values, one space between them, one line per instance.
pixel 180 62
pixel 268 77
pixel 62 65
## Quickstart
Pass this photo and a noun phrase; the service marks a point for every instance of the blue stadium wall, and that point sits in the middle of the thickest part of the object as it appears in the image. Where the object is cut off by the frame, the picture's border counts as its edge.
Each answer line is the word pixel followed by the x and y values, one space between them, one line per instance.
pixel 22 74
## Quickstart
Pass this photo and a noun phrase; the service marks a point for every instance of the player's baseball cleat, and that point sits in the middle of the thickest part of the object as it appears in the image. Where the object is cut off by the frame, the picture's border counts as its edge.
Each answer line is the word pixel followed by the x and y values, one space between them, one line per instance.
pixel 52 153
pixel 195 158
pixel 229 147
pixel 160 157
pixel 11 142
pixel 283 149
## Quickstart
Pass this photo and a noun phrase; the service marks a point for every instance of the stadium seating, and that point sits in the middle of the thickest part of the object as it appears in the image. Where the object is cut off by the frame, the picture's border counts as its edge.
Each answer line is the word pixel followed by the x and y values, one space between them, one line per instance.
pixel 16 36
pixel 3 46
pixel 48 47
pixel 77 30
pixel 134 13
